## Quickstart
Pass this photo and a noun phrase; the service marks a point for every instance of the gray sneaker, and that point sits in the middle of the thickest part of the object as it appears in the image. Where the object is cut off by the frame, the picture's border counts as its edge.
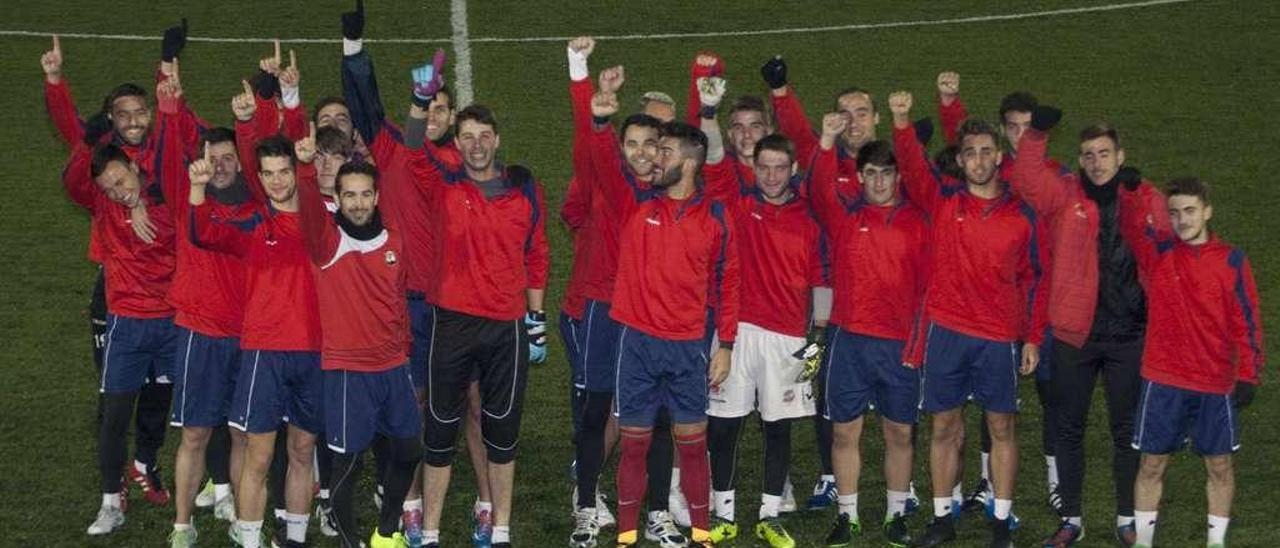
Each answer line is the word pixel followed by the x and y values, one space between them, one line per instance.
pixel 109 519
pixel 662 530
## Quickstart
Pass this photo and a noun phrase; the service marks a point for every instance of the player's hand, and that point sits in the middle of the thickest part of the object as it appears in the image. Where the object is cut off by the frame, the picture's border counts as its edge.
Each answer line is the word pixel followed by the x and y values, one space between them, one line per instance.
pixel 51 62
pixel 582 45
pixel 948 87
pixel 271 65
pixel 833 124
pixel 900 105
pixel 611 79
pixel 201 171
pixel 95 127
pixel 1242 396
pixel 428 79
pixel 718 369
pixel 141 224
pixel 1044 117
pixel 708 64
pixel 814 349
pixel 353 22
pixel 774 72
pixel 1030 358
pixel 604 105
pixel 305 148
pixel 175 38
pixel 711 91
pixel 535 325
pixel 243 105
pixel 289 75
pixel 169 94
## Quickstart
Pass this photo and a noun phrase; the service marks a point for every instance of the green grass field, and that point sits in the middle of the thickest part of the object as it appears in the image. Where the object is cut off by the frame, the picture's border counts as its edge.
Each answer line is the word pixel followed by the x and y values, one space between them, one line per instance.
pixel 1190 85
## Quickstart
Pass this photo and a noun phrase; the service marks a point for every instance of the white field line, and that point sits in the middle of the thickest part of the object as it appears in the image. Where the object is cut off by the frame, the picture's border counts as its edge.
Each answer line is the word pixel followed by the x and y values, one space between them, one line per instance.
pixel 461 54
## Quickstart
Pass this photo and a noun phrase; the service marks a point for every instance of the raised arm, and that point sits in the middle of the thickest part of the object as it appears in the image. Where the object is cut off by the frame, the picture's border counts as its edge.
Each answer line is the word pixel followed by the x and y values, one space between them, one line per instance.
pixel 705 65
pixel 245 107
pixel 617 185
pixel 951 110
pixel 792 122
pixel 576 209
pixel 206 232
pixel 57 97
pixel 918 175
pixel 359 81
pixel 1034 179
pixel 318 230
pixel 1142 210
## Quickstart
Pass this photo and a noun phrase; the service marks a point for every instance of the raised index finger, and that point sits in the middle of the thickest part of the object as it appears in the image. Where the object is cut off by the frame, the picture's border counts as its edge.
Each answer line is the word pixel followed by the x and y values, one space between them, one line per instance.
pixel 207 156
pixel 313 130
pixel 277 54
pixel 57 45
pixel 293 59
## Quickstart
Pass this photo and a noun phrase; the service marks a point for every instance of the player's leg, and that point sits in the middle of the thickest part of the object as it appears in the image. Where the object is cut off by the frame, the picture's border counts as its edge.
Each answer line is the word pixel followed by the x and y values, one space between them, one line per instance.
pixel 730 403
pixel 400 423
pixel 482 509
pixel 1048 419
pixel 596 361
pixel 1165 415
pixel 1216 435
pixel 503 378
pixel 204 375
pixel 98 331
pixel 945 388
pixel 350 426
pixel 124 370
pixel 1075 372
pixel 685 395
pixel 306 422
pixel 1122 383
pixel 448 374
pixel 422 328
pixel 151 418
pixel 897 397
pixel 848 380
pixel 278 476
pixel 636 406
pixel 995 374
pixel 1148 488
pixel 257 409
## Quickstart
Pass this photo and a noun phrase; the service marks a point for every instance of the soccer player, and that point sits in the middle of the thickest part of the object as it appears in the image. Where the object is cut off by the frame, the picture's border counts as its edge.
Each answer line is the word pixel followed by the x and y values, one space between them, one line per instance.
pixel 279 380
pixel 880 263
pixel 1203 352
pixel 984 304
pixel 783 271
pixel 1096 308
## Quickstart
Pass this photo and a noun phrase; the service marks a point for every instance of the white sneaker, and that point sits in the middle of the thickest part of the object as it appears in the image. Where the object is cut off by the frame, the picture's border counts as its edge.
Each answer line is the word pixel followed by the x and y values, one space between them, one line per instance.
pixel 662 530
pixel 603 516
pixel 678 506
pixel 225 508
pixel 109 519
pixel 207 495
pixel 788 503
pixel 585 528
pixel 182 539
pixel 324 517
pixel 233 533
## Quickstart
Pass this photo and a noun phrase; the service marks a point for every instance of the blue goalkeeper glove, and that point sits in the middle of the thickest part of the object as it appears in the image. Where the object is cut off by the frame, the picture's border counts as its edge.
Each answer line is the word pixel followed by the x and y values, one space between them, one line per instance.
pixel 428 79
pixel 535 325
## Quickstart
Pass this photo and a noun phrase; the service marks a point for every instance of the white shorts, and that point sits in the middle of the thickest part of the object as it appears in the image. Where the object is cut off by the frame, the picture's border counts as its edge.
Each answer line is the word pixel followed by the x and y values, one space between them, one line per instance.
pixel 763 376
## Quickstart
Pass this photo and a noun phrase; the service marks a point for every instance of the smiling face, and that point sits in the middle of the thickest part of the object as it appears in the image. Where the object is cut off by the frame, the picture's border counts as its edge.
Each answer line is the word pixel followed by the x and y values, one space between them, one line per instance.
pixel 121 183
pixel 439 116
pixel 640 146
pixel 774 169
pixel 979 157
pixel 131 118
pixel 746 128
pixel 276 173
pixel 862 119
pixel 1101 159
pixel 357 198
pixel 226 164
pixel 667 169
pixel 879 184
pixel 478 143
pixel 1190 216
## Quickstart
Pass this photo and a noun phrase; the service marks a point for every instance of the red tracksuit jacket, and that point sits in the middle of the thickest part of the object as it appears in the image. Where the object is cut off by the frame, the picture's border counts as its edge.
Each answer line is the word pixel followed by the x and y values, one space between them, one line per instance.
pixel 1204 326
pixel 576 212
pixel 793 125
pixel 989 273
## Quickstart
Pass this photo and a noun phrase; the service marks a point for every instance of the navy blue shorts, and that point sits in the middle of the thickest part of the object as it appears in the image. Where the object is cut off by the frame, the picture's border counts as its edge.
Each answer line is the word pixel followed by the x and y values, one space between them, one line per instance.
pixel 359 405
pixel 204 379
pixel 137 351
pixel 598 340
pixel 422 323
pixel 861 371
pixel 958 365
pixel 275 387
pixel 1167 415
pixel 653 373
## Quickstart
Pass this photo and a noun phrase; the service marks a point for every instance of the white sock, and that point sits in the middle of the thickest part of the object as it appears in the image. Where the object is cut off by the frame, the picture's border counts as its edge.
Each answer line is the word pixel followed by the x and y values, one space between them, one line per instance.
pixel 111 499
pixel 769 506
pixel 957 492
pixel 1051 464
pixel 829 478
pixel 1077 521
pixel 1003 507
pixel 481 506
pixel 942 506
pixel 1218 529
pixel 296 526
pixel 280 513
pixel 431 536
pixel 1122 521
pixel 848 504
pixel 221 491
pixel 250 533
pixel 411 505
pixel 723 501
pixel 140 466
pixel 897 504
pixel 324 494
pixel 501 533
pixel 986 466
pixel 675 480
pixel 187 526
pixel 1145 523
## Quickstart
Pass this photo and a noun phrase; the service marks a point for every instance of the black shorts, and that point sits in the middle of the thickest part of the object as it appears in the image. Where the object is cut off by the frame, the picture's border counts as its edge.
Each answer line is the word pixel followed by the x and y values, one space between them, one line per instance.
pixel 469 348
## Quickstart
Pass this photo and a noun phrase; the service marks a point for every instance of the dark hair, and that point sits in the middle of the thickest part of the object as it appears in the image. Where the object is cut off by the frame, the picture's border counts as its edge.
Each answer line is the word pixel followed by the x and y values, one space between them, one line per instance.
pixel 1018 101
pixel 331 140
pixel 448 93
pixel 359 167
pixel 213 136
pixel 1100 129
pixel 123 90
pixel 876 152
pixel 639 119
pixel 976 126
pixel 105 154
pixel 689 137
pixel 330 100
pixel 947 163
pixel 850 91
pixel 479 114
pixel 776 143
pixel 1188 186
pixel 277 147
pixel 751 103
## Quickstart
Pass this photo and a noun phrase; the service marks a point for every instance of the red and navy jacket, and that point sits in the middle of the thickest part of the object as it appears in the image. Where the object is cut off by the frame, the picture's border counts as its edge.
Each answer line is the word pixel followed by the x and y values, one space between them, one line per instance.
pixel 488 250
pixel 781 252
pixel 360 286
pixel 576 212
pixel 880 256
pixel 989 273
pixel 1204 326
pixel 794 125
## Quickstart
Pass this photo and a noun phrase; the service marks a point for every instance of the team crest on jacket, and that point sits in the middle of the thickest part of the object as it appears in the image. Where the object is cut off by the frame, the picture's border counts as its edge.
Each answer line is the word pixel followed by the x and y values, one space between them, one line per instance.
pixel 1080 212
pixel 391 257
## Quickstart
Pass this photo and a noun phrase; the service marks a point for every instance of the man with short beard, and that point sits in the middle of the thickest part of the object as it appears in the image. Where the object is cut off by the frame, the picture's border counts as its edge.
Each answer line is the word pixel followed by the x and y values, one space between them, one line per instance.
pixel 984 304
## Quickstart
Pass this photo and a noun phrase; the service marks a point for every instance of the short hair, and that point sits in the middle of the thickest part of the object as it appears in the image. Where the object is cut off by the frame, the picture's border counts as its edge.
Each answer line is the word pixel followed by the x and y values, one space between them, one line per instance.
pixel 657 97
pixel 1018 101
pixel 330 100
pixel 331 140
pixel 479 114
pixel 641 120
pixel 876 152
pixel 776 143
pixel 1100 129
pixel 835 103
pixel 689 137
pixel 751 103
pixel 947 163
pixel 274 147
pixel 123 90
pixel 1188 186
pixel 215 135
pixel 976 126
pixel 448 93
pixel 103 155
pixel 357 167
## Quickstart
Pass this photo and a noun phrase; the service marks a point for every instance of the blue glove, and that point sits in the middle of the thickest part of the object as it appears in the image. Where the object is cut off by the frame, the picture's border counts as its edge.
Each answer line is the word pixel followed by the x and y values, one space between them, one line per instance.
pixel 428 79
pixel 535 324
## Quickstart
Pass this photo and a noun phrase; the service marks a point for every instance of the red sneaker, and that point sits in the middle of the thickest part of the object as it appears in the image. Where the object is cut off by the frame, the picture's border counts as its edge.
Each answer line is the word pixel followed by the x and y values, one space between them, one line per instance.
pixel 152 489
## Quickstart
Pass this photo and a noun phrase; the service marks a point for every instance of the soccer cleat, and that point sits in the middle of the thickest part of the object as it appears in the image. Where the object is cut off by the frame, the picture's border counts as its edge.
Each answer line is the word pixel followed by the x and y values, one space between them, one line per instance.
pixel 411 521
pixel 324 517
pixel 678 507
pixel 788 503
pixel 109 519
pixel 225 508
pixel 1001 533
pixel 843 532
pixel 1127 535
pixel 662 530
pixel 208 495
pixel 771 531
pixel 896 533
pixel 603 516
pixel 185 538
pixel 1014 522
pixel 824 495
pixel 940 531
pixel 1055 500
pixel 481 528
pixel 980 497
pixel 152 488
pixel 585 529
pixel 396 540
pixel 722 530
pixel 1068 534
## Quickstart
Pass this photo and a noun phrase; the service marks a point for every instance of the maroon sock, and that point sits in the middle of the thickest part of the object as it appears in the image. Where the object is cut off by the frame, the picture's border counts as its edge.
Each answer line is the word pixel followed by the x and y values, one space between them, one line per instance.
pixel 632 478
pixel 695 477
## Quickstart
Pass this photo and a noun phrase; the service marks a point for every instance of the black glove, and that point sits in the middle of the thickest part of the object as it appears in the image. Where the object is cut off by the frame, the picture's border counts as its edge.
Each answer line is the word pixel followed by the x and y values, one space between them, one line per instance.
pixel 95 127
pixel 1243 395
pixel 1130 177
pixel 1044 117
pixel 774 72
pixel 265 84
pixel 353 22
pixel 175 38
pixel 924 130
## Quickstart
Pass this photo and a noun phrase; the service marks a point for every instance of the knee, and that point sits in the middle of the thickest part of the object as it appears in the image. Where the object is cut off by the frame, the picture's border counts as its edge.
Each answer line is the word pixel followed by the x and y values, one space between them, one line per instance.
pixel 301 450
pixel 948 429
pixel 1001 426
pixel 500 439
pixel 1220 470
pixel 1152 467
pixel 897 436
pixel 846 435
pixel 195 438
pixel 438 441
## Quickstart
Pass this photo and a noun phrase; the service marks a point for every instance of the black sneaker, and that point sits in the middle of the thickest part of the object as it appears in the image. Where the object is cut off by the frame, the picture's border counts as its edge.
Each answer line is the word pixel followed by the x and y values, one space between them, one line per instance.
pixel 940 531
pixel 1001 535
pixel 280 536
pixel 977 499
pixel 843 531
pixel 1068 534
pixel 895 531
